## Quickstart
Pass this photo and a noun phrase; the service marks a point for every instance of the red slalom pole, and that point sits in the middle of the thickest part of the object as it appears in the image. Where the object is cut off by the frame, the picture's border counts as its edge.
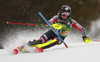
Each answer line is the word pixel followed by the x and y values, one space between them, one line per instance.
pixel 96 40
pixel 20 23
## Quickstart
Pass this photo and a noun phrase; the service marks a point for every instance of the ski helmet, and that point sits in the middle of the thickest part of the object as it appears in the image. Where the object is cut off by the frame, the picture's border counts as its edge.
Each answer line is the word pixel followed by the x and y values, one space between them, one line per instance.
pixel 65 9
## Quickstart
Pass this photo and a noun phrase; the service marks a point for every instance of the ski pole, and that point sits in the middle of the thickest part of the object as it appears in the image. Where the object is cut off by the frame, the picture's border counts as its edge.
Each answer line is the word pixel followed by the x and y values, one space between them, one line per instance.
pixel 52 29
pixel 20 23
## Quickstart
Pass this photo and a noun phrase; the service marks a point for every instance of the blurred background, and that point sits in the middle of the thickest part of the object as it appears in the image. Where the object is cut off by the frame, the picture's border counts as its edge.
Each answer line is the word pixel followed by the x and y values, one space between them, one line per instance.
pixel 26 11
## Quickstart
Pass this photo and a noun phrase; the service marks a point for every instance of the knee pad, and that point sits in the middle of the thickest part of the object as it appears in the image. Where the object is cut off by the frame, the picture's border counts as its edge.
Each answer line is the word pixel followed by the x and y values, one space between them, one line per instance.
pixel 43 38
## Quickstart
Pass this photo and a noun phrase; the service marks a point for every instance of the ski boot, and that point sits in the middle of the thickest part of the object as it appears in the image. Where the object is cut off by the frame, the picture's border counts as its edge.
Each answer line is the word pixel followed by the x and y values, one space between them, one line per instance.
pixel 29 47
pixel 17 50
pixel 20 49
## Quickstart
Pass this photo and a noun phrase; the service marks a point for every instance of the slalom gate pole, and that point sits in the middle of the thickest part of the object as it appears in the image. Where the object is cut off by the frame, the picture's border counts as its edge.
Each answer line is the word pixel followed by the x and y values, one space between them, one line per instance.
pixel 96 40
pixel 52 29
pixel 21 23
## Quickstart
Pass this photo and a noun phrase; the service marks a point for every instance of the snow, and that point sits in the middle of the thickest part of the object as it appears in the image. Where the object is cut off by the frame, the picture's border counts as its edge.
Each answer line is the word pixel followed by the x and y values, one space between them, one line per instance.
pixel 78 50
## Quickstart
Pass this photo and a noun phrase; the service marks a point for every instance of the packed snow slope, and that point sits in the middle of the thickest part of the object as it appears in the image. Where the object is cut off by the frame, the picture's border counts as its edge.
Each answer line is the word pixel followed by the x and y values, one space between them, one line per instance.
pixel 78 50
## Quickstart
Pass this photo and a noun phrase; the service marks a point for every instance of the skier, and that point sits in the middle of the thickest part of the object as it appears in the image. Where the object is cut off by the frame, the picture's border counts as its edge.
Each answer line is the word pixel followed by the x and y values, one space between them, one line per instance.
pixel 63 19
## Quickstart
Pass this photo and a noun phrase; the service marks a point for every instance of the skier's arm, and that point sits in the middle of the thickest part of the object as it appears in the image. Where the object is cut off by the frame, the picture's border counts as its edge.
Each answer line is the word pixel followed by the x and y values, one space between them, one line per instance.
pixel 53 19
pixel 79 27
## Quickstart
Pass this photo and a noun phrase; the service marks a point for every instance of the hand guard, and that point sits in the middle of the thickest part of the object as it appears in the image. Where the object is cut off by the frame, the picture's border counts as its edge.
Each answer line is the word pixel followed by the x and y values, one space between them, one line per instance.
pixel 56 26
pixel 86 39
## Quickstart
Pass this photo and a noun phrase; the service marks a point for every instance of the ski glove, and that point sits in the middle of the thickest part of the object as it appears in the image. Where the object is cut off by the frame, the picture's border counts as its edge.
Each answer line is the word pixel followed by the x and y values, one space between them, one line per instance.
pixel 86 39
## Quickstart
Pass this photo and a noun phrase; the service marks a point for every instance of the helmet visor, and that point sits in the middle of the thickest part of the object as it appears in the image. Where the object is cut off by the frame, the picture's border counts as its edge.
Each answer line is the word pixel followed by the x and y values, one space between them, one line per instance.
pixel 65 13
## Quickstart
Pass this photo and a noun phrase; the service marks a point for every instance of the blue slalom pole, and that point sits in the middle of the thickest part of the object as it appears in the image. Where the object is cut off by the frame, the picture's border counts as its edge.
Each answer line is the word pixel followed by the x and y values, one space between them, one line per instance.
pixel 52 29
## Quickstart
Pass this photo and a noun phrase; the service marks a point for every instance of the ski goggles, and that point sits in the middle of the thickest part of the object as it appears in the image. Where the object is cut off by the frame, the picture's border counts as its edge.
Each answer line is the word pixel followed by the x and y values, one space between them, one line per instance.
pixel 65 13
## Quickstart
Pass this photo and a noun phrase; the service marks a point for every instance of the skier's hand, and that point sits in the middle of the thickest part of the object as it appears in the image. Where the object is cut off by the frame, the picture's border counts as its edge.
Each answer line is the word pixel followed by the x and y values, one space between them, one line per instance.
pixel 86 39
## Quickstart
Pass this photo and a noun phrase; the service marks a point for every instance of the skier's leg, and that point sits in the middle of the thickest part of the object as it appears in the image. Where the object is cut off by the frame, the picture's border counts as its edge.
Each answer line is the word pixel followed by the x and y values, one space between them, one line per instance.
pixel 41 47
pixel 35 42
pixel 44 38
